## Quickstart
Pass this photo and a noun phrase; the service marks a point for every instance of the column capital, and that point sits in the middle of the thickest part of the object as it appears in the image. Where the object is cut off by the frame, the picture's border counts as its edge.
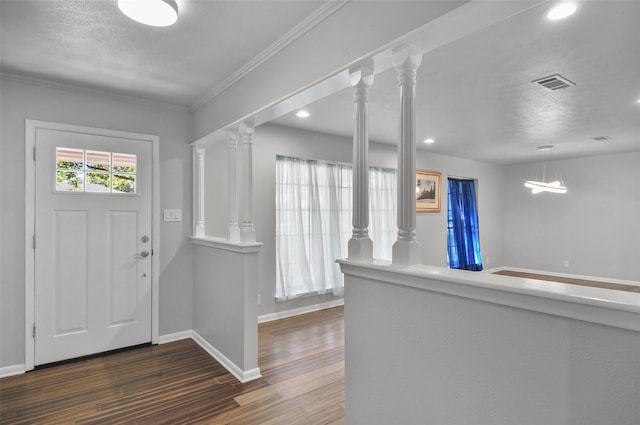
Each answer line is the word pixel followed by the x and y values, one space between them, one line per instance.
pixel 233 135
pixel 362 75
pixel 199 148
pixel 246 128
pixel 407 57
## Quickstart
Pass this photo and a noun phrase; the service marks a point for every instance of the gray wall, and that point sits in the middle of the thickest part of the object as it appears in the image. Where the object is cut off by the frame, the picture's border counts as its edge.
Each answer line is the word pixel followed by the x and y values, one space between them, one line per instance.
pixel 453 359
pixel 272 140
pixel 595 225
pixel 26 101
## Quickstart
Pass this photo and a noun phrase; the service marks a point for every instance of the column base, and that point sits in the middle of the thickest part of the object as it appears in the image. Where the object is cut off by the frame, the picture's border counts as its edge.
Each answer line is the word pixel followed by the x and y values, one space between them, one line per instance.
pixel 247 235
pixel 199 230
pixel 233 234
pixel 360 249
pixel 406 253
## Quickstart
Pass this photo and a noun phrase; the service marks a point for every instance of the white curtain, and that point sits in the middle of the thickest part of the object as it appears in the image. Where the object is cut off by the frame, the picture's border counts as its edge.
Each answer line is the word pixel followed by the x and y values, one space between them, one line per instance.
pixel 383 225
pixel 313 223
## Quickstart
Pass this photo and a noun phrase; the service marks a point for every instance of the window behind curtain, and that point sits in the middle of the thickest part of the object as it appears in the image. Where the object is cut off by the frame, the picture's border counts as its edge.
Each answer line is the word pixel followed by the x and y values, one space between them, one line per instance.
pixel 463 226
pixel 313 223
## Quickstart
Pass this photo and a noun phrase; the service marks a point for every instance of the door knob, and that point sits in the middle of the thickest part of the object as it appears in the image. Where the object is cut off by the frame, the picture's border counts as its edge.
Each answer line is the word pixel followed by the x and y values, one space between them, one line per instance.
pixel 143 254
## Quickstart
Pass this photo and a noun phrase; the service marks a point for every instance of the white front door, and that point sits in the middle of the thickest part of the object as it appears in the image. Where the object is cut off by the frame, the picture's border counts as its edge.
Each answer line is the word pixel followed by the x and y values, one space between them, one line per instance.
pixel 92 244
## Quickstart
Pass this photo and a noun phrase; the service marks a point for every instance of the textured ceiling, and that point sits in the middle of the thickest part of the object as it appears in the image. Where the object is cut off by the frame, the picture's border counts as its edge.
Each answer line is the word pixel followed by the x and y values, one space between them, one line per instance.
pixel 90 43
pixel 475 96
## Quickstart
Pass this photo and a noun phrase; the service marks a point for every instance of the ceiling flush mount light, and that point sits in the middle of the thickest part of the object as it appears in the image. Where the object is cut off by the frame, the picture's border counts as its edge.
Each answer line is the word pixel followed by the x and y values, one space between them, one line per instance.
pixel 561 11
pixel 156 13
pixel 555 186
pixel 429 141
pixel 302 114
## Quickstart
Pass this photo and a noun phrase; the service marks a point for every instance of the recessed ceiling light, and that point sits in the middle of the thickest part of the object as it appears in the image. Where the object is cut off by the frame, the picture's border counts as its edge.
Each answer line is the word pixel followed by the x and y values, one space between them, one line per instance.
pixel 156 13
pixel 561 11
pixel 302 114
pixel 545 148
pixel 602 138
pixel 429 141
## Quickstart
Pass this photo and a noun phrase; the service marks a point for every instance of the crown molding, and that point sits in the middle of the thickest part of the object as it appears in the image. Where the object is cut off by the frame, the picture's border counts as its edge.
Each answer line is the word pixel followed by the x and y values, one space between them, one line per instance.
pixel 326 9
pixel 43 82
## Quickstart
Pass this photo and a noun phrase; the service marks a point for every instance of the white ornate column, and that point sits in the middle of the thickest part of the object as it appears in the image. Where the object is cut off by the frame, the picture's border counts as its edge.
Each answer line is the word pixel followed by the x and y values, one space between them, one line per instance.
pixel 406 249
pixel 198 190
pixel 233 231
pixel 360 245
pixel 245 200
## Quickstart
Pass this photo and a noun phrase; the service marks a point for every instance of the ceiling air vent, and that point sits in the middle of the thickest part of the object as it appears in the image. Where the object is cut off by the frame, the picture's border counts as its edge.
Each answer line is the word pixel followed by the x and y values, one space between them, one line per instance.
pixel 554 82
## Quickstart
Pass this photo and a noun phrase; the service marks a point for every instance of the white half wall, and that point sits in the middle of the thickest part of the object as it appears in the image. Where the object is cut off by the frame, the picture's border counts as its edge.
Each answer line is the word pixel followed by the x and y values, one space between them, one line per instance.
pixel 173 125
pixel 225 295
pixel 594 226
pixel 427 345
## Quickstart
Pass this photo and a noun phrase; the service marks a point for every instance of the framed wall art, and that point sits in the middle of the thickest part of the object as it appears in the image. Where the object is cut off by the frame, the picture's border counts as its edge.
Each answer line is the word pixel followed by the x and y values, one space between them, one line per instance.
pixel 428 191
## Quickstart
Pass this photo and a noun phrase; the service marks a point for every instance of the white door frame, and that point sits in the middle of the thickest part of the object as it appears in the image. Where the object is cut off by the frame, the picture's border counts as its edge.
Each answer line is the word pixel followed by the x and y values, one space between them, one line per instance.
pixel 29 254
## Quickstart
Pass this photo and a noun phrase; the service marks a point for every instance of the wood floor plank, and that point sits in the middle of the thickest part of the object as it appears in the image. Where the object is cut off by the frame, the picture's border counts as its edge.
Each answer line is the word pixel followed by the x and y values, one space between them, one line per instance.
pixel 571 281
pixel 301 360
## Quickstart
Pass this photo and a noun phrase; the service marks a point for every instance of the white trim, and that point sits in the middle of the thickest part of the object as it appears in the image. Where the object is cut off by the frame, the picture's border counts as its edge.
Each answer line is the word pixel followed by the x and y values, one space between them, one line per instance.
pixel 241 375
pixel 155 238
pixel 221 243
pixel 326 9
pixel 619 309
pixel 16 369
pixel 29 231
pixel 30 142
pixel 232 368
pixel 176 336
pixel 298 311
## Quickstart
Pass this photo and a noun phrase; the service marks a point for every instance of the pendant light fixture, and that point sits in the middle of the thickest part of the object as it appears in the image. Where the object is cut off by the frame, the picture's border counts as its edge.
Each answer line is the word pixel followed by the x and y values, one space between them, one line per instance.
pixel 555 186
pixel 156 13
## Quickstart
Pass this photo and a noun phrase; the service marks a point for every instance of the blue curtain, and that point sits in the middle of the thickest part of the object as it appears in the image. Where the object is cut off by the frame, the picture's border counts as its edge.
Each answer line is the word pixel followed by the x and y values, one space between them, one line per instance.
pixel 463 229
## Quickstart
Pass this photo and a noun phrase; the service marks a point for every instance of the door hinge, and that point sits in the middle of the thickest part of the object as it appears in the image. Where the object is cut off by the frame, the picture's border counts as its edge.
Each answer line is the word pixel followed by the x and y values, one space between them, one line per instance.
pixel 34 153
pixel 34 241
pixel 34 330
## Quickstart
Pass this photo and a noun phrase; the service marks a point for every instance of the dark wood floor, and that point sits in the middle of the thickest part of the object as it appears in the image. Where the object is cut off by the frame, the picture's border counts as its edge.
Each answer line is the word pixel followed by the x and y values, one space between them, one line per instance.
pixel 572 281
pixel 301 360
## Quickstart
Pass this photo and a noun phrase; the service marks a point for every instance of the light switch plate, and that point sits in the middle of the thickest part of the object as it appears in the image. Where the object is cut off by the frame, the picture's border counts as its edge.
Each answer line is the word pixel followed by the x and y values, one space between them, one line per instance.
pixel 173 215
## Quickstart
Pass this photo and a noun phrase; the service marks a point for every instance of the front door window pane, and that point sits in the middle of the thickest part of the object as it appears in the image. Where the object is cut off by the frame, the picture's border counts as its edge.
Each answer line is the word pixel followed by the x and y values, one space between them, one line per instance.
pixel 98 182
pixel 98 161
pixel 69 159
pixel 69 181
pixel 124 183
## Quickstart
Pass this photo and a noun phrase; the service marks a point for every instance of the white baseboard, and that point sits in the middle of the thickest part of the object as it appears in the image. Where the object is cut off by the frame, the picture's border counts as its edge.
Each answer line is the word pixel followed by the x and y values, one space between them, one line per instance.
pixel 15 369
pixel 177 336
pixel 241 375
pixel 495 269
pixel 298 311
